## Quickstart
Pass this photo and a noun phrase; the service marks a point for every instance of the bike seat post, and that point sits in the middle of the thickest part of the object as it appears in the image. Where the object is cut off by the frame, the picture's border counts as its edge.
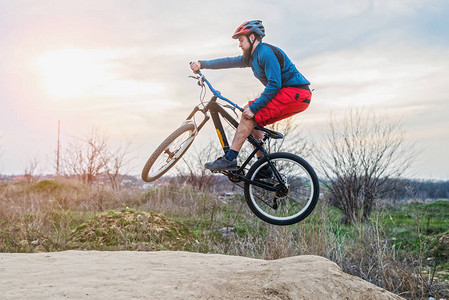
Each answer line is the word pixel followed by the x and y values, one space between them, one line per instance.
pixel 265 137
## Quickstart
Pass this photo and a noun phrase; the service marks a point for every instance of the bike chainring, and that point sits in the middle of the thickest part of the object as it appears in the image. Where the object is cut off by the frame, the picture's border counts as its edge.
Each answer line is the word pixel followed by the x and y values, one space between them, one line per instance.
pixel 235 176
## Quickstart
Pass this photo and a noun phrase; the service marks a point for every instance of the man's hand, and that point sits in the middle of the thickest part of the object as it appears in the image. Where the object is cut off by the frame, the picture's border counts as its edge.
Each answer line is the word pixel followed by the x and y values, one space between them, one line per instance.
pixel 247 113
pixel 195 66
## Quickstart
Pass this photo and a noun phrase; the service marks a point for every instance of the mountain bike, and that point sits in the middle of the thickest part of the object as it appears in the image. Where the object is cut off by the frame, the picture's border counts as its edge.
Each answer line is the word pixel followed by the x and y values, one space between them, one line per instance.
pixel 280 188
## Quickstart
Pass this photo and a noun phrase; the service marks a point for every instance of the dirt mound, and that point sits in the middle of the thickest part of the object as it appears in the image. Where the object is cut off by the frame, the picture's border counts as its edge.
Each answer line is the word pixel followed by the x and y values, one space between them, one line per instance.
pixel 129 229
pixel 176 275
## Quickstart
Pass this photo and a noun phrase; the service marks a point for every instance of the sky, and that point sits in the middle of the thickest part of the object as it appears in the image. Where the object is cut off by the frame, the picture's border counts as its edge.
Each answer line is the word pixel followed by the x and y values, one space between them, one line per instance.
pixel 122 67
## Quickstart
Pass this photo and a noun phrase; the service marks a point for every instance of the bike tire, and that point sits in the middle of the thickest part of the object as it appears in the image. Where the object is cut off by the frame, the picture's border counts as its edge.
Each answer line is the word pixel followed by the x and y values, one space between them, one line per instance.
pixel 168 153
pixel 300 195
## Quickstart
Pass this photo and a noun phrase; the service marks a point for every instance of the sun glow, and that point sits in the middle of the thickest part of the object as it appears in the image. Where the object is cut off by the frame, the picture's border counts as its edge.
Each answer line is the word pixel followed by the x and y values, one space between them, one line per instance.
pixel 78 73
pixel 70 73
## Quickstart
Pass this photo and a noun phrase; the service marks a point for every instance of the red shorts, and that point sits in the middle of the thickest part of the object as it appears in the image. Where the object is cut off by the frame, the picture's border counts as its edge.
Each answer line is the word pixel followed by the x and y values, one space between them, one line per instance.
pixel 287 102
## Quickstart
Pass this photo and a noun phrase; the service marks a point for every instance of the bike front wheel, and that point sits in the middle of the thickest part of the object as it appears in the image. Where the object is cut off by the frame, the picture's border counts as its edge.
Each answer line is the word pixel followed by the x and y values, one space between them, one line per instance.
pixel 297 194
pixel 168 152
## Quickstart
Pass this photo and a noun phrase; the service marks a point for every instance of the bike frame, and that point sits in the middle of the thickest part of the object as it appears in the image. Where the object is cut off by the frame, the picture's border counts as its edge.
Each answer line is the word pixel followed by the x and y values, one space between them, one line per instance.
pixel 216 110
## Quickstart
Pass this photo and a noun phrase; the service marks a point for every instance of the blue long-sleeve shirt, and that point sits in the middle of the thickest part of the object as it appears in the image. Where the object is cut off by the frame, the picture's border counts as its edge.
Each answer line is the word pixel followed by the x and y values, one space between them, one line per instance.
pixel 273 73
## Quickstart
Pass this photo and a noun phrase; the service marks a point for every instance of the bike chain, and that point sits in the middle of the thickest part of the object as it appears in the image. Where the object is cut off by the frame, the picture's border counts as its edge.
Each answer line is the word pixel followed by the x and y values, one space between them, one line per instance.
pixel 272 206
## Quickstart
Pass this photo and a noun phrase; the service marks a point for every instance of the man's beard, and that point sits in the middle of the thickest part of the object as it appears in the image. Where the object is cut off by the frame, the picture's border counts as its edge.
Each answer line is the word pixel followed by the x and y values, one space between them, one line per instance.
pixel 247 53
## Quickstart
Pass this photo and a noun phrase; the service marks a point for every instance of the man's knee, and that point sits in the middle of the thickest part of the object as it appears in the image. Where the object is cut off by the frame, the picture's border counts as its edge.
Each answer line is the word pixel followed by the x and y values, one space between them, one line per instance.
pixel 247 124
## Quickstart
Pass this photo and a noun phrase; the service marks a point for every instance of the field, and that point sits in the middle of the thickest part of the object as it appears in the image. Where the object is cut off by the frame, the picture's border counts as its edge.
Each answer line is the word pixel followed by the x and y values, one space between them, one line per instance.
pixel 404 248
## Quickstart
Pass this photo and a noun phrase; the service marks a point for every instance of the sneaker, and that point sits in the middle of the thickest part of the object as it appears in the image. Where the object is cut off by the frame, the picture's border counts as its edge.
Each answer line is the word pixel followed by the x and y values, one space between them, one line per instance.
pixel 264 173
pixel 222 164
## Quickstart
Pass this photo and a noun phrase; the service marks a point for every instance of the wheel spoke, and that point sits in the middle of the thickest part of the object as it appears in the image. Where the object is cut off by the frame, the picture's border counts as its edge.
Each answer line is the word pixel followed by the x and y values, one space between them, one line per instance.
pixel 166 158
pixel 296 193
pixel 168 153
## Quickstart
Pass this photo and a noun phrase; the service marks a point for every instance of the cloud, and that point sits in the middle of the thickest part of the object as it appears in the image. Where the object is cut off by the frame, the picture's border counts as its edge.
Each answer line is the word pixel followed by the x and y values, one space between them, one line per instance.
pixel 394 76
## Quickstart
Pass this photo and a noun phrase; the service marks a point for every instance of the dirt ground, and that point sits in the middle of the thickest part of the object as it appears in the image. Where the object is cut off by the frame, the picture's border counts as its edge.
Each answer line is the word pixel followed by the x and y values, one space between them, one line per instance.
pixel 175 275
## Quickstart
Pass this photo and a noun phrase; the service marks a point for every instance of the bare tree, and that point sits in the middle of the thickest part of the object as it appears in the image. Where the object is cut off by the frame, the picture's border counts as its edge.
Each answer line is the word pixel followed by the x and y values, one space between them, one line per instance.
pixel 86 158
pixel 30 169
pixel 117 160
pixel 89 157
pixel 358 157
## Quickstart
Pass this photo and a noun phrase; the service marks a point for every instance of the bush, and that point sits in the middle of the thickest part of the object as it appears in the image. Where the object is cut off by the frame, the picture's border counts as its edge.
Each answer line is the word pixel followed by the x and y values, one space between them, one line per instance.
pixel 129 229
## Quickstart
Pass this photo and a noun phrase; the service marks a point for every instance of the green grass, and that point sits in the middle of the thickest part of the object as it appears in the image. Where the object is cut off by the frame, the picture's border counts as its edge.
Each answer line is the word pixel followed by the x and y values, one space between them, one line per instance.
pixel 416 227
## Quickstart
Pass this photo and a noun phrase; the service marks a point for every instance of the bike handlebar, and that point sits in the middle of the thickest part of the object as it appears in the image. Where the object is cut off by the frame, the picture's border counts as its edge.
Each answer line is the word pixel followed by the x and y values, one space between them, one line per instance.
pixel 217 93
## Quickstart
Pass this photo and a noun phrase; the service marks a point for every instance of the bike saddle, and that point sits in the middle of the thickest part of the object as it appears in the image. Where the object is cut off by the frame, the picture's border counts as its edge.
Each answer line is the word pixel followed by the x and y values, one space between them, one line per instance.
pixel 270 133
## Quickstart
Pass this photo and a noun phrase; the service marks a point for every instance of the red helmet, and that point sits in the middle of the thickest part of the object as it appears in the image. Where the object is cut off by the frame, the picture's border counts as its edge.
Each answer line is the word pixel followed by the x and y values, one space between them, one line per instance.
pixel 248 27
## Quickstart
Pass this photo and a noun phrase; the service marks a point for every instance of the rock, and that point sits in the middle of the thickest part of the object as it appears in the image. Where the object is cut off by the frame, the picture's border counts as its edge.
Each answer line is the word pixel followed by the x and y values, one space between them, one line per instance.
pixel 227 232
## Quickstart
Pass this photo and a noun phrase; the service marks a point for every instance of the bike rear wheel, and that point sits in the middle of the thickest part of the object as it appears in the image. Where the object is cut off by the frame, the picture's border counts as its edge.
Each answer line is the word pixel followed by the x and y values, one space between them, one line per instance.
pixel 168 152
pixel 296 197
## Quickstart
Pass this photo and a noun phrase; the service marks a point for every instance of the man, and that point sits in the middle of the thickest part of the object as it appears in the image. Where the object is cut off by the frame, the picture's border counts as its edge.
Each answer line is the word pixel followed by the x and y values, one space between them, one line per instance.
pixel 286 89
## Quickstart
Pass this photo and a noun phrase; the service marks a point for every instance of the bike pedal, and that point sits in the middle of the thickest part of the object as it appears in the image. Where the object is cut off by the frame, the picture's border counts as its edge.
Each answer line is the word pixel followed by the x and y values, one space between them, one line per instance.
pixel 224 171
